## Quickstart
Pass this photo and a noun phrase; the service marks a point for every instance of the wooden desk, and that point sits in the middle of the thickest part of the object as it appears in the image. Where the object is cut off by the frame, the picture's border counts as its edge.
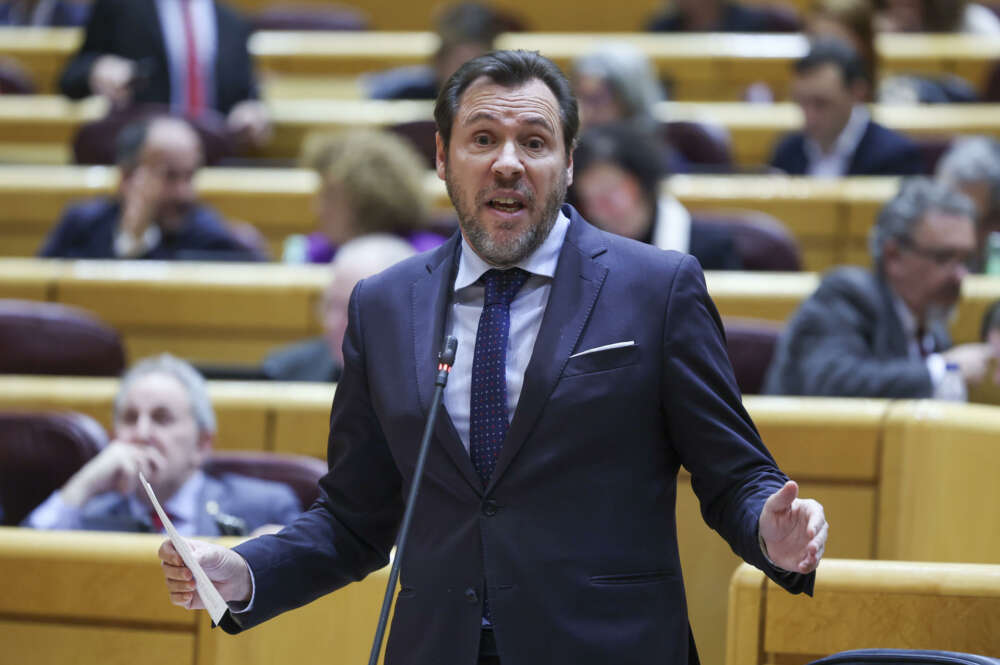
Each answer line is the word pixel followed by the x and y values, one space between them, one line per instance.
pixel 700 66
pixel 98 598
pixel 861 604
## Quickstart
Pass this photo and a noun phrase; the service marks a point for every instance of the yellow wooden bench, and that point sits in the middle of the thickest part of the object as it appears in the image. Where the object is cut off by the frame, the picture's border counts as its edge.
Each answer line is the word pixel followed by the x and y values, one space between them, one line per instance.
pixel 99 599
pixel 865 604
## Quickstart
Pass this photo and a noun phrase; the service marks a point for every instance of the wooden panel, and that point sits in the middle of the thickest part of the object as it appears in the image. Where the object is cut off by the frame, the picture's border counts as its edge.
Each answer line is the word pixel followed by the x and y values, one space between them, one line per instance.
pixel 336 628
pixel 769 296
pixel 939 500
pixel 57 644
pixel 29 279
pixel 796 431
pixel 302 422
pixel 744 621
pixel 41 51
pixel 890 604
pixel 114 577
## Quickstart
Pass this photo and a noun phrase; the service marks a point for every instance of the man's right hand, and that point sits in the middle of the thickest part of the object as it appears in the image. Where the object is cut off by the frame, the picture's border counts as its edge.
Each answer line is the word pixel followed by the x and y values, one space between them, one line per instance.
pixel 973 360
pixel 141 197
pixel 227 570
pixel 115 469
pixel 111 76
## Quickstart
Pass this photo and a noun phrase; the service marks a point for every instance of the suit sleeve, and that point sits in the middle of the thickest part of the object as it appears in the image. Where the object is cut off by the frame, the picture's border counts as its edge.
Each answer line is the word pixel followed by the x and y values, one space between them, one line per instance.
pixel 97 41
pixel 350 529
pixel 732 472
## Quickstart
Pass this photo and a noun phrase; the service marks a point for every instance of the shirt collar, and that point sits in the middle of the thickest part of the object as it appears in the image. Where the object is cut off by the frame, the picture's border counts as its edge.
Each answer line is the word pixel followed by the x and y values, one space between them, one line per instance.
pixel 849 138
pixel 542 261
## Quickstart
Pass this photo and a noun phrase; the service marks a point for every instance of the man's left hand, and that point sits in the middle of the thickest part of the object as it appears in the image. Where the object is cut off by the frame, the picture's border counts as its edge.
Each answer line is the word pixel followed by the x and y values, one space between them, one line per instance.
pixel 793 530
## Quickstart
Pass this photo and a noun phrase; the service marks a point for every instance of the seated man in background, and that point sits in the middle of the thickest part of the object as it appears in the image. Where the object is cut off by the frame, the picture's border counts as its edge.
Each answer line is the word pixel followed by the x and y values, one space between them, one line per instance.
pixel 838 136
pixel 164 426
pixel 465 30
pixel 48 13
pixel 618 173
pixel 714 16
pixel 883 333
pixel 156 214
pixel 191 55
pixel 972 165
pixel 321 358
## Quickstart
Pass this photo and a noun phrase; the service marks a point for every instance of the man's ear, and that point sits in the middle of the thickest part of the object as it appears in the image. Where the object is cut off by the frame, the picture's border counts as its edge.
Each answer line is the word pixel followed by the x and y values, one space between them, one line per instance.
pixel 569 169
pixel 440 154
pixel 206 442
pixel 859 89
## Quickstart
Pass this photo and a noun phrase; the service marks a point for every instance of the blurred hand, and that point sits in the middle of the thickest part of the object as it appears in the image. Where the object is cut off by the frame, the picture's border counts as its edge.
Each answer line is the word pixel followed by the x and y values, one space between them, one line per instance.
pixel 141 198
pixel 227 570
pixel 115 469
pixel 111 76
pixel 973 360
pixel 250 123
pixel 794 530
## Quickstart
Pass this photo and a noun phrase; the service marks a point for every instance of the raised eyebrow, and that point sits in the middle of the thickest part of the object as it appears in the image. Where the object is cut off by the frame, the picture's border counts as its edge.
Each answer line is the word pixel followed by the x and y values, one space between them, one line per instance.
pixel 492 117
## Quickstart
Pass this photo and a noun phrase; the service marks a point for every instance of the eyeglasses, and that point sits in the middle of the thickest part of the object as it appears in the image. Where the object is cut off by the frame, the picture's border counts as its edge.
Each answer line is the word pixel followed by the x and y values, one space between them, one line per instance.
pixel 943 258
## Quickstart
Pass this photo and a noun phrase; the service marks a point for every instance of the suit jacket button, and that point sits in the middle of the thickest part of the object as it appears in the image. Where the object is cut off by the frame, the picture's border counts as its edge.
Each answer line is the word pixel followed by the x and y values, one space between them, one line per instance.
pixel 490 507
pixel 471 595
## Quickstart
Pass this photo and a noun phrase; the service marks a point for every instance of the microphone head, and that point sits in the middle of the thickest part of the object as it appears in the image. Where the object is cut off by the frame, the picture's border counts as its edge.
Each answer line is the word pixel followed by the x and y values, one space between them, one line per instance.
pixel 447 355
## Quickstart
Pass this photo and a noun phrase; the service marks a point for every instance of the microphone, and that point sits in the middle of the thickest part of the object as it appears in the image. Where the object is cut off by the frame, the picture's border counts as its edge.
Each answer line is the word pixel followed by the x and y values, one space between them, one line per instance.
pixel 446 358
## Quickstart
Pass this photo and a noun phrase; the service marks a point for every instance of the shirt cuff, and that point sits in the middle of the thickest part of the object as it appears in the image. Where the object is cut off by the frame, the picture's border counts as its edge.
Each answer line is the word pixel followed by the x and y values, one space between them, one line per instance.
pixel 243 608
pixel 937 368
pixel 54 513
pixel 128 247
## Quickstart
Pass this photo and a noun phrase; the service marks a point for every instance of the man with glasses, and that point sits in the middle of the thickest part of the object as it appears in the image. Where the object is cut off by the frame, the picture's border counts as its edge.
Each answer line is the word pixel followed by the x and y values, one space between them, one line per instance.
pixel 883 332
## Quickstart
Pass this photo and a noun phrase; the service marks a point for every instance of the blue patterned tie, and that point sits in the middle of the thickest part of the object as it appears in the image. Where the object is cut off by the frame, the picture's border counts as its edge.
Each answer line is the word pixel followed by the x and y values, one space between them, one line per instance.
pixel 488 399
pixel 488 404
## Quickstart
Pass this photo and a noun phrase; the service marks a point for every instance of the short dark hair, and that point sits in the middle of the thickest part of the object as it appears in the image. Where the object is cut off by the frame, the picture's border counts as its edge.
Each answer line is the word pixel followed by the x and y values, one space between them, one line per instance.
pixel 628 147
pixel 129 142
pixel 833 52
pixel 509 69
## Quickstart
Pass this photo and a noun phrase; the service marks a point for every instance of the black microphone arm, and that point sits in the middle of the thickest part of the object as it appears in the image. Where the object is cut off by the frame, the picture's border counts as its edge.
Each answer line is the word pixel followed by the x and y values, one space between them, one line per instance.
pixel 445 360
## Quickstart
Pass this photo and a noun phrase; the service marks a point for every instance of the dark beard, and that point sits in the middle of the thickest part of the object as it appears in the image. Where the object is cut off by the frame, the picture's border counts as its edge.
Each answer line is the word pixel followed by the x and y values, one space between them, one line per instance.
pixel 505 256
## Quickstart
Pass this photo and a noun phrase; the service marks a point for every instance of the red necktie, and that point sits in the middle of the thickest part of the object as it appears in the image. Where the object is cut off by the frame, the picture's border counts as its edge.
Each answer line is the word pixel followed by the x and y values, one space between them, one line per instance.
pixel 195 89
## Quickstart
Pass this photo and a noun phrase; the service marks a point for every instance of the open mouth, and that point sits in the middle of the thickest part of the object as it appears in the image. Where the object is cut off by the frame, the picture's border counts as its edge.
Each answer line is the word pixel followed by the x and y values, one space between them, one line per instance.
pixel 508 205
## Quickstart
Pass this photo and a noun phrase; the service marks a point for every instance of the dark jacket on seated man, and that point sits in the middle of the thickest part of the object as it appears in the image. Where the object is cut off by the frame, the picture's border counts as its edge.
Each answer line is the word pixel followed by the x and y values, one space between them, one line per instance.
pixel 309 360
pixel 881 151
pixel 848 340
pixel 87 231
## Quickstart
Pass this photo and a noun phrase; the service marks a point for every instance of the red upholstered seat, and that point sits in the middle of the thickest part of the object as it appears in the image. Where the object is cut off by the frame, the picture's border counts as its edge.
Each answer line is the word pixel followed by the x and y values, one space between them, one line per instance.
pixel 751 344
pixel 300 473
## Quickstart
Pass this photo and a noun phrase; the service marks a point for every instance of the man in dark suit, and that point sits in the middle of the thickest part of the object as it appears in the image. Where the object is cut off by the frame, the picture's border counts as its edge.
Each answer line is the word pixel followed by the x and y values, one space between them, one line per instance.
pixel 839 137
pixel 164 426
pixel 156 214
pixel 589 368
pixel 190 54
pixel 883 333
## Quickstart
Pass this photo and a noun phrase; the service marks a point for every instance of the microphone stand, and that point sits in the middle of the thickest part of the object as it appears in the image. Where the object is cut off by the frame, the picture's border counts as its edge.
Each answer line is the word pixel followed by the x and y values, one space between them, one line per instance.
pixel 446 358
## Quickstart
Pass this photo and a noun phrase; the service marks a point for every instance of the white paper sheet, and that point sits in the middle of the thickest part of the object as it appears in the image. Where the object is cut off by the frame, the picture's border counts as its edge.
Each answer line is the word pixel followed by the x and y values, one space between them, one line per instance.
pixel 210 596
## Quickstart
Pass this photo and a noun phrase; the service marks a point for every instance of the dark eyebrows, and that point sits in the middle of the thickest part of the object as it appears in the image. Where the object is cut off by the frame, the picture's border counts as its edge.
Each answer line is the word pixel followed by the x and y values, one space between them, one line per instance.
pixel 537 120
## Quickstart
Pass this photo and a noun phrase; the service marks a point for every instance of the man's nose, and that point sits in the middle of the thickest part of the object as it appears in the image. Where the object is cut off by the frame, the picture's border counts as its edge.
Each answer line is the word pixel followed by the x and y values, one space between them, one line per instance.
pixel 508 162
pixel 143 428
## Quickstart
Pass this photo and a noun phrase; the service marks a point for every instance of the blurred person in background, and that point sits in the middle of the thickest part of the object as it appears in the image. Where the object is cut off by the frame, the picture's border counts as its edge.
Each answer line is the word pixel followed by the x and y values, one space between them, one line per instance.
pixel 718 16
pixel 48 13
pixel 465 30
pixel 189 54
pixel 616 83
pixel 156 214
pixel 321 358
pixel 617 186
pixel 838 136
pixel 884 332
pixel 371 181
pixel 972 165
pixel 852 22
pixel 936 16
pixel 164 426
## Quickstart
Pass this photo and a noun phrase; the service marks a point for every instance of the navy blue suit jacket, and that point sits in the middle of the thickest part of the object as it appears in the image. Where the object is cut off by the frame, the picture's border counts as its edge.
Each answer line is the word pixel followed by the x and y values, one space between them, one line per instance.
pixel 881 151
pixel 87 231
pixel 574 536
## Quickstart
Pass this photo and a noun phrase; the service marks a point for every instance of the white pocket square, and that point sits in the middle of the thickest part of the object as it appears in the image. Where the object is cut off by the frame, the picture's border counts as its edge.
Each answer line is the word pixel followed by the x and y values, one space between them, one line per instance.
pixel 606 347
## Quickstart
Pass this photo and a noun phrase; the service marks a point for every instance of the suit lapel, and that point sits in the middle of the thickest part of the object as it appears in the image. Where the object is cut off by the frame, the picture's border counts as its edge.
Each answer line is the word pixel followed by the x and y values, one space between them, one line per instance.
pixel 430 296
pixel 577 282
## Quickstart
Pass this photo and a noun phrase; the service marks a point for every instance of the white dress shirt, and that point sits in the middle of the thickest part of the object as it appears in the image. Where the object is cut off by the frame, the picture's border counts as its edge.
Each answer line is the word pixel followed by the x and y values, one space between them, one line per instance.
pixel 835 163
pixel 182 508
pixel 175 43
pixel 525 320
pixel 935 362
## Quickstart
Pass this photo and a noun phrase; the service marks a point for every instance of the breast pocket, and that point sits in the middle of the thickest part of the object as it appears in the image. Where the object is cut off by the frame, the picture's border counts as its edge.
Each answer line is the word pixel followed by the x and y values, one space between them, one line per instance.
pixel 602 361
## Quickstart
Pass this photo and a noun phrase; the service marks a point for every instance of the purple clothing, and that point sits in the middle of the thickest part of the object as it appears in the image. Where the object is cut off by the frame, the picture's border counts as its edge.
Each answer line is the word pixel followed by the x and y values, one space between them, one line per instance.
pixel 320 250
